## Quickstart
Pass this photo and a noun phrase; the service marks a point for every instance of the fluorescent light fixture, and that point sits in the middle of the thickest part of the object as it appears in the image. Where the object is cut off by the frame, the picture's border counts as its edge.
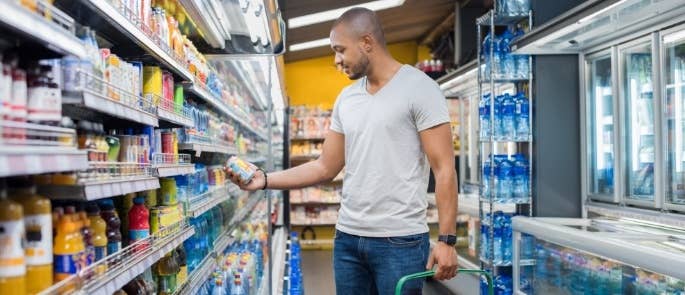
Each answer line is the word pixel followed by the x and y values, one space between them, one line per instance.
pixel 310 44
pixel 603 10
pixel 332 14
pixel 674 37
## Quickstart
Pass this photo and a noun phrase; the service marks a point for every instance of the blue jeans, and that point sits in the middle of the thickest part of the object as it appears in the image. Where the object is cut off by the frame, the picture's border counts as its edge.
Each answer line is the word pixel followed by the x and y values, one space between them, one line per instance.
pixel 364 265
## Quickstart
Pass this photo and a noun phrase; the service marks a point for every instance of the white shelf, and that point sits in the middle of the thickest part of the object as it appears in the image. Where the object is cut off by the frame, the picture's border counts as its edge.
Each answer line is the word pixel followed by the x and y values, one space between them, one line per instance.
pixel 50 34
pixel 125 265
pixel 278 247
pixel 199 148
pixel 98 102
pixel 24 160
pixel 99 190
pixel 198 276
pixel 112 15
pixel 174 117
pixel 227 238
pixel 173 170
pixel 200 14
pixel 208 201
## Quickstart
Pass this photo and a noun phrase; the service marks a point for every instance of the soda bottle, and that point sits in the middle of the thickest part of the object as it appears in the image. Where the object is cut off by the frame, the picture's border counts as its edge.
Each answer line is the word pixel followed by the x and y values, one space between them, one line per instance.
pixel 38 226
pixel 69 249
pixel 138 220
pixel 12 261
pixel 109 215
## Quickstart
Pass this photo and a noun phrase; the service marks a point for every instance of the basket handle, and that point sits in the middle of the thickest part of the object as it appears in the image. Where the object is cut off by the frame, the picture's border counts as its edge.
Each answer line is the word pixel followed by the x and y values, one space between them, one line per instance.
pixel 430 273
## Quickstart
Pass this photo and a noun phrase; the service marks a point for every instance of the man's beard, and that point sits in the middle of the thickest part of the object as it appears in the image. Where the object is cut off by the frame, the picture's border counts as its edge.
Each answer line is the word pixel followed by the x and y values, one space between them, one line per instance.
pixel 359 70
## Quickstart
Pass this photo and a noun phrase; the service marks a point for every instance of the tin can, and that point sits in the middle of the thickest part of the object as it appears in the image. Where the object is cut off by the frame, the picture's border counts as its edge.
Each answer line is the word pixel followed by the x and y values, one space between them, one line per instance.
pixel 244 171
pixel 167 142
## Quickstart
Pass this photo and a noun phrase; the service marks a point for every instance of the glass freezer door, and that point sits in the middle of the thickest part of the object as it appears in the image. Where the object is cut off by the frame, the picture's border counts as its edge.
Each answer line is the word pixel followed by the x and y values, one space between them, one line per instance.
pixel 600 128
pixel 674 81
pixel 638 98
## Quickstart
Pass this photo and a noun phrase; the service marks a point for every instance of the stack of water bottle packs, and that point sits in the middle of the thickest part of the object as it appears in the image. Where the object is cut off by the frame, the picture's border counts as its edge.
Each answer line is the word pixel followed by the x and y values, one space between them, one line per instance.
pixel 503 285
pixel 296 286
pixel 498 61
pixel 507 180
pixel 501 238
pixel 511 118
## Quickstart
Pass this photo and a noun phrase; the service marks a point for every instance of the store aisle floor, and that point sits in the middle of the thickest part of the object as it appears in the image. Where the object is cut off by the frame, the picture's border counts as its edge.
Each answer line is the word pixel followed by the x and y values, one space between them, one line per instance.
pixel 317 272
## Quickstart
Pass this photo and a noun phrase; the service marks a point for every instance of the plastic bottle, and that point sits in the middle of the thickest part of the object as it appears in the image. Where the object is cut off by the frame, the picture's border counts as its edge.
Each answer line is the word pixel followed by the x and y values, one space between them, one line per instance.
pixel 520 179
pixel 87 234
pixel 485 53
pixel 521 61
pixel 484 239
pixel 504 180
pixel 181 259
pixel 138 220
pixel 506 239
pixel 497 226
pixel 218 288
pixel 507 67
pixel 484 115
pixel 508 117
pixel 166 270
pixel 110 216
pixel 12 261
pixel 69 249
pixel 498 128
pixel 503 285
pixel 522 115
pixel 38 225
pixel 99 229
pixel 486 178
pixel 496 62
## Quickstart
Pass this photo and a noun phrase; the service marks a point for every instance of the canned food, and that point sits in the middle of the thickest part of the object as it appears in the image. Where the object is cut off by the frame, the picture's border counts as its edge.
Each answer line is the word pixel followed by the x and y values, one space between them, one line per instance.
pixel 167 142
pixel 244 171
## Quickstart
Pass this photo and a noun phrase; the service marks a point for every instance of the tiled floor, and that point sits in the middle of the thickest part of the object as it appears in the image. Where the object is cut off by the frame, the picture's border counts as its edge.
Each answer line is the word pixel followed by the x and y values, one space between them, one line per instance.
pixel 317 271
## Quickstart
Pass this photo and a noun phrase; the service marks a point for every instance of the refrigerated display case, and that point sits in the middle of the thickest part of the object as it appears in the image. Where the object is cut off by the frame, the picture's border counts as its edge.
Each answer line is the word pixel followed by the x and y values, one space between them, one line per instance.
pixel 673 73
pixel 597 256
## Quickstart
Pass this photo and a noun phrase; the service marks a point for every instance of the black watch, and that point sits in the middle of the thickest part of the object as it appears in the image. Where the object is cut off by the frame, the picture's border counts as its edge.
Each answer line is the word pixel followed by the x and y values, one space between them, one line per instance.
pixel 448 239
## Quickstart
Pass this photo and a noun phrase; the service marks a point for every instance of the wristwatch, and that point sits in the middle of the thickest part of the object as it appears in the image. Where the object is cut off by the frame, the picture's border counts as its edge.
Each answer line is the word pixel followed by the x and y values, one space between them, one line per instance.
pixel 448 239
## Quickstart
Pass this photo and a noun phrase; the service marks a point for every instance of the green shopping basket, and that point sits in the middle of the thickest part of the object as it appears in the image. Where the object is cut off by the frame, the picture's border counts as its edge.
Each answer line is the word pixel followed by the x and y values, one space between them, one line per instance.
pixel 430 273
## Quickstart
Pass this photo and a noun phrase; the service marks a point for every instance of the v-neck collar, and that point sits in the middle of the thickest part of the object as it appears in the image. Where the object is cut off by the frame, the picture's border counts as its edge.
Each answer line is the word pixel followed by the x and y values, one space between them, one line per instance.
pixel 365 82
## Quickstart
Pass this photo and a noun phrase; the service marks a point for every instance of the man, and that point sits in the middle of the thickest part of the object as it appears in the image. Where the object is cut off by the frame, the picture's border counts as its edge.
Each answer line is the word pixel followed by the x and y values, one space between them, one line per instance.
pixel 386 129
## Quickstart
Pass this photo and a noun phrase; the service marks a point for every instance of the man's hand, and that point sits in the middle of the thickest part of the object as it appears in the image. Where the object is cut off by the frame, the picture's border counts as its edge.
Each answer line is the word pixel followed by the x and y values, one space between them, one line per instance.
pixel 446 258
pixel 255 184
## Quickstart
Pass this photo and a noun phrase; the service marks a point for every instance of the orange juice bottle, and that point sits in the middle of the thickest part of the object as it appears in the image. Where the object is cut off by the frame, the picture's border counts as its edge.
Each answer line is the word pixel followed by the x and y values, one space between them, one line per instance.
pixel 99 228
pixel 38 224
pixel 12 263
pixel 69 250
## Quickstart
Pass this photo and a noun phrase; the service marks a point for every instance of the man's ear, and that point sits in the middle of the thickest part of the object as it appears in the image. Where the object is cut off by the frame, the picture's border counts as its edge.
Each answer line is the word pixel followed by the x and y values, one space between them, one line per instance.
pixel 367 43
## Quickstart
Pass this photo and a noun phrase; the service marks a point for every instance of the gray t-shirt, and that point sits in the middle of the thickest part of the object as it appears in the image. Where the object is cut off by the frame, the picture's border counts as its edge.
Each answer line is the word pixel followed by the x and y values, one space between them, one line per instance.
pixel 386 170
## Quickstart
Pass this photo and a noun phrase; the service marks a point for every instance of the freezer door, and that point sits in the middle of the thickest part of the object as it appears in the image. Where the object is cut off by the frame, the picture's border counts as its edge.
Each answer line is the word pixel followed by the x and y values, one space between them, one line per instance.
pixel 673 70
pixel 601 128
pixel 637 96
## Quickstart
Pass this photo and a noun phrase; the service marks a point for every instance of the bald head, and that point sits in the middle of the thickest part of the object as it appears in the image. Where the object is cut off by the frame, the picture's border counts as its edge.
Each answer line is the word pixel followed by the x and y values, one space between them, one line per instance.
pixel 361 22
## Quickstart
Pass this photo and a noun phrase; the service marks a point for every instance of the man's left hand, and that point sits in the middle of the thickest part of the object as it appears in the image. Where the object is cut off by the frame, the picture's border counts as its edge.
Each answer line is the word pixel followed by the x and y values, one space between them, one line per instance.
pixel 445 256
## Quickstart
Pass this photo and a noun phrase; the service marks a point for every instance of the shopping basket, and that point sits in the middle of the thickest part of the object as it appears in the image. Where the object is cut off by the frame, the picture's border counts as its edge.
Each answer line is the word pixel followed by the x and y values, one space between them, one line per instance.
pixel 430 273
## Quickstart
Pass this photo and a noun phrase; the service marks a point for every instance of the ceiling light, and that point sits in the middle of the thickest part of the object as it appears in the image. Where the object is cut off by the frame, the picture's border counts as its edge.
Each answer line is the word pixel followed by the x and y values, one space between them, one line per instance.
pixel 310 44
pixel 332 14
pixel 603 10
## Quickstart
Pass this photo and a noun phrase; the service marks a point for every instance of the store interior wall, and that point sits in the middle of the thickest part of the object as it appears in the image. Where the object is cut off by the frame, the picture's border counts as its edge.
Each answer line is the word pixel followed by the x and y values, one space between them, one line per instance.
pixel 556 92
pixel 316 82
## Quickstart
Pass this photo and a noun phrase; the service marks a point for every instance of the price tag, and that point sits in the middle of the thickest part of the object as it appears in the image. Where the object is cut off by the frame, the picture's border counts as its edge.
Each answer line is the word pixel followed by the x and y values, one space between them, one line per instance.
pixel 93 192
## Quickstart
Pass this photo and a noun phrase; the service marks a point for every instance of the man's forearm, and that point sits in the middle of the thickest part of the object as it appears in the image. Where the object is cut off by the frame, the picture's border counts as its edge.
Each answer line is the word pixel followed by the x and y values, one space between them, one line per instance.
pixel 305 175
pixel 446 200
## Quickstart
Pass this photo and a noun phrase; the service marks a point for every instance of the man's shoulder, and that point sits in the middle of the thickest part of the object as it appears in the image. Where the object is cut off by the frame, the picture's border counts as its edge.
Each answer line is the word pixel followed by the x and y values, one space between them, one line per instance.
pixel 415 75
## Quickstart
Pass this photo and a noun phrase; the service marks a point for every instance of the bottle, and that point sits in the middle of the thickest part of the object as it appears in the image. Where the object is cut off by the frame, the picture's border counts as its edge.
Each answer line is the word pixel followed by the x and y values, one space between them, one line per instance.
pixel 521 61
pixel 520 179
pixel 484 239
pixel 508 117
pixel 126 205
pixel 109 215
pixel 12 261
pixel 496 62
pixel 38 226
pixel 486 178
pixel 99 229
pixel 135 287
pixel 498 127
pixel 138 221
pixel 69 249
pixel 218 287
pixel 484 115
pixel 497 226
pixel 181 259
pixel 169 195
pixel 166 270
pixel 522 115
pixel 87 234
pixel 506 239
pixel 504 180
pixel 507 68
pixel 503 285
pixel 485 53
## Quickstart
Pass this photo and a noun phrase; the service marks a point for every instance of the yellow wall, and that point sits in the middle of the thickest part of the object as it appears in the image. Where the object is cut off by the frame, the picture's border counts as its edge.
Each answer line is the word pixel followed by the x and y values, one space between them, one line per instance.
pixel 423 53
pixel 316 82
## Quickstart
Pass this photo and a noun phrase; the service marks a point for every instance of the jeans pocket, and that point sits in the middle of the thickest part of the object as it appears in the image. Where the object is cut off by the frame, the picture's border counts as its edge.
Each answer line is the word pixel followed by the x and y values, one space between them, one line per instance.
pixel 405 241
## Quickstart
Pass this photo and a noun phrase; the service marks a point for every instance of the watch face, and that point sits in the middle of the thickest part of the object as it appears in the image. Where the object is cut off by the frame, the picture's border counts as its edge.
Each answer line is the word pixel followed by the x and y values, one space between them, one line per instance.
pixel 448 239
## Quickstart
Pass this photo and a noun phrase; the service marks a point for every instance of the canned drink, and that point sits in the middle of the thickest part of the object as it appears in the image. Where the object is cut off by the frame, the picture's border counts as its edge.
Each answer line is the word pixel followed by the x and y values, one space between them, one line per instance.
pixel 244 171
pixel 167 142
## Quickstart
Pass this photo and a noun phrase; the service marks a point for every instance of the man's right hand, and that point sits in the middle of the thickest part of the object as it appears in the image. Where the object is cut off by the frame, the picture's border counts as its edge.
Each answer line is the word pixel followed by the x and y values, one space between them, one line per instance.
pixel 255 184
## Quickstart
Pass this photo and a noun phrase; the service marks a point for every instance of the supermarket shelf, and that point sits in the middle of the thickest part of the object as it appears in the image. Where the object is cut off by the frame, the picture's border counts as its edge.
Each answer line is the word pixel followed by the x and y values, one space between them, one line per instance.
pixel 310 223
pixel 198 276
pixel 24 160
pixel 125 265
pixel 499 20
pixel 101 103
pixel 278 249
pixel 300 158
pixel 202 93
pixel 315 203
pixel 200 14
pixel 99 190
pixel 200 148
pixel 487 263
pixel 307 139
pixel 53 36
pixel 468 204
pixel 117 20
pixel 208 201
pixel 174 117
pixel 227 238
pixel 173 170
